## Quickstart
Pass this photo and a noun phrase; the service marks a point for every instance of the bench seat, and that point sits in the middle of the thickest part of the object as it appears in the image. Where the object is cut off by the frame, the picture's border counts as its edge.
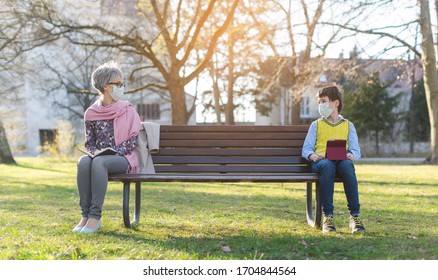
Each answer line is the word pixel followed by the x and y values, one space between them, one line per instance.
pixel 224 178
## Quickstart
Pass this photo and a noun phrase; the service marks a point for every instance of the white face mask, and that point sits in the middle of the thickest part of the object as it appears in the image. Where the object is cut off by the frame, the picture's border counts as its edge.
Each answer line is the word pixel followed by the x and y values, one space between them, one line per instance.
pixel 117 93
pixel 325 110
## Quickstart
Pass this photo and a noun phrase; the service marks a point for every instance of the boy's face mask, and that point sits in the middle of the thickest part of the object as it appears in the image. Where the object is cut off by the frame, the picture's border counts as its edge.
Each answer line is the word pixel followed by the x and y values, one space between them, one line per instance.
pixel 325 110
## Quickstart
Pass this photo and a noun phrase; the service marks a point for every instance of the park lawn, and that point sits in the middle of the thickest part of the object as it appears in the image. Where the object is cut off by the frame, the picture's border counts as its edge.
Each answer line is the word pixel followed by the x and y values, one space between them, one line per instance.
pixel 39 208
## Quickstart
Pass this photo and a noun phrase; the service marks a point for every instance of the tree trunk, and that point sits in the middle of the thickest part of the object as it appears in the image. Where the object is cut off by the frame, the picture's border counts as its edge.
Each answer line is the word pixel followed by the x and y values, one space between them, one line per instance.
pixel 412 121
pixel 377 142
pixel 230 100
pixel 214 73
pixel 5 151
pixel 217 105
pixel 296 109
pixel 428 60
pixel 436 28
pixel 178 99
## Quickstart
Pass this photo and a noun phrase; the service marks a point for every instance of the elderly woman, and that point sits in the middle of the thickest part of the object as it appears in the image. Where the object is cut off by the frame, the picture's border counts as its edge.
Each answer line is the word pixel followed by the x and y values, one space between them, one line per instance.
pixel 109 123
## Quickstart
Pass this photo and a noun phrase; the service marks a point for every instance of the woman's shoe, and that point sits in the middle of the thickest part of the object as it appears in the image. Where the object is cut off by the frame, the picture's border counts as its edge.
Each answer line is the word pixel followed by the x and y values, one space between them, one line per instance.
pixel 81 225
pixel 91 230
pixel 77 228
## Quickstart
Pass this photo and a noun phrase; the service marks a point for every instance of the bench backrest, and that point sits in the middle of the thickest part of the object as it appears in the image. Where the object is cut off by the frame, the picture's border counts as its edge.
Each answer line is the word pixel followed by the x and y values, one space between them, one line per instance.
pixel 217 149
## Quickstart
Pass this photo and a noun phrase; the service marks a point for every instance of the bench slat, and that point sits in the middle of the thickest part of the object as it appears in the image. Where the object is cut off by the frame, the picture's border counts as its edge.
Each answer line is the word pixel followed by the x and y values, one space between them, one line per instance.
pixel 227 160
pixel 227 152
pixel 231 136
pixel 232 143
pixel 231 169
pixel 236 128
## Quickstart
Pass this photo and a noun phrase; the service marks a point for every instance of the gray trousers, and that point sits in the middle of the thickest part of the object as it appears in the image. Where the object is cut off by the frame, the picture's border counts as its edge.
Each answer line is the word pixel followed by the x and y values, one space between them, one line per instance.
pixel 92 180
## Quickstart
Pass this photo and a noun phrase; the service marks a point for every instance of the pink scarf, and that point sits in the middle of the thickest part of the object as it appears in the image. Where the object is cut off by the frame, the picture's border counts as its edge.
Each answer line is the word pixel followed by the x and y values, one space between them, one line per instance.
pixel 126 124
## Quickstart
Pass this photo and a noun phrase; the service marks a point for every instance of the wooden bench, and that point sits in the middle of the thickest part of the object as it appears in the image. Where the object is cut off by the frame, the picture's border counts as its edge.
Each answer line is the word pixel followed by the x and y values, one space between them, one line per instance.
pixel 214 153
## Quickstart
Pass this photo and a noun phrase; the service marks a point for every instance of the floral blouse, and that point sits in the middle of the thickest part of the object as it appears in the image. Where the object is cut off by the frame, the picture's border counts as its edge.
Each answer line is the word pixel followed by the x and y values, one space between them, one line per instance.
pixel 100 135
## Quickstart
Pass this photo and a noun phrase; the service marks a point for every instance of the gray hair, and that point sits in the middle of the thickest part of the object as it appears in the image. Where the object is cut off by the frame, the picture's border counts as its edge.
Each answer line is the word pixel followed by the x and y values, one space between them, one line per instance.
pixel 104 74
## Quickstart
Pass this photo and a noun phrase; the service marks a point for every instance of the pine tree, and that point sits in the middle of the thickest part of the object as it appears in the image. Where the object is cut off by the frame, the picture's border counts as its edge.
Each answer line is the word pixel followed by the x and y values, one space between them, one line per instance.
pixel 370 108
pixel 420 127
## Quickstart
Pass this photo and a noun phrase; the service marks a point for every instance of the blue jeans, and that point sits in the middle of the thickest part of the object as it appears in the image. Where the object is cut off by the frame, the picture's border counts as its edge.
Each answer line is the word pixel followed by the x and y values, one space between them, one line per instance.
pixel 327 170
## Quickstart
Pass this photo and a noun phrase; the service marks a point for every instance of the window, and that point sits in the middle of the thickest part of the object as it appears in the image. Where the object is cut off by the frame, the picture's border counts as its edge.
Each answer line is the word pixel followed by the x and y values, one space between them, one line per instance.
pixel 47 138
pixel 305 107
pixel 149 111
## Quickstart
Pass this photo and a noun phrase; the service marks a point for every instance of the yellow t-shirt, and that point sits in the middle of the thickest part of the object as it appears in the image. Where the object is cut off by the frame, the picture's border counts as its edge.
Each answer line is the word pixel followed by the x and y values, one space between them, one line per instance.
pixel 326 130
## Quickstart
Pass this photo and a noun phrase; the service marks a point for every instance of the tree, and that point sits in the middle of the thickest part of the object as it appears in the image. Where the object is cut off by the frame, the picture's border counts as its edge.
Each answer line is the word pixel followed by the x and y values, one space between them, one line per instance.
pixel 267 72
pixel 168 41
pixel 429 61
pixel 298 53
pixel 370 108
pixel 235 55
pixel 5 150
pixel 296 70
pixel 10 54
pixel 72 74
pixel 418 116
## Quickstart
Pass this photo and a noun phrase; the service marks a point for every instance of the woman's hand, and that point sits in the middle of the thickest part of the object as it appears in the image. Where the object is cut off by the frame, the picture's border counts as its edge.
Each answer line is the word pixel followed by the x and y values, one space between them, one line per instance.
pixel 350 156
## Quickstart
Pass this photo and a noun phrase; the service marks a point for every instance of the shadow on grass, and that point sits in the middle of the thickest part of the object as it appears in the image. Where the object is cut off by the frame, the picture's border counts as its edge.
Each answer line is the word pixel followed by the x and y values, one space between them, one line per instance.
pixel 244 245
pixel 397 183
pixel 31 167
pixel 290 205
pixel 252 244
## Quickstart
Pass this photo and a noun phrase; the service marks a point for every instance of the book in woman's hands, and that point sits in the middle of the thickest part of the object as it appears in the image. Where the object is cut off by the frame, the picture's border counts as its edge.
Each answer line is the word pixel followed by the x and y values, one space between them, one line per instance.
pixel 103 152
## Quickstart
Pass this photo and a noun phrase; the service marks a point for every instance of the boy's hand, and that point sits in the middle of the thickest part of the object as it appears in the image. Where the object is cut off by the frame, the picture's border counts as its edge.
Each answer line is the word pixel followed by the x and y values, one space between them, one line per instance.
pixel 350 156
pixel 315 157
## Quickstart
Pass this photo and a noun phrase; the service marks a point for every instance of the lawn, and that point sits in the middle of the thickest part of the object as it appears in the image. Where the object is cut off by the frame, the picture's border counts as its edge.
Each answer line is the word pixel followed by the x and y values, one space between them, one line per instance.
pixel 39 207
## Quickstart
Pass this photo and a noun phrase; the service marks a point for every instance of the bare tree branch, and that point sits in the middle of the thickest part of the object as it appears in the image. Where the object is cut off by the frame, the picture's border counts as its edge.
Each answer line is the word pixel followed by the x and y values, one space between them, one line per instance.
pixel 198 29
pixel 189 29
pixel 379 33
pixel 213 42
pixel 150 85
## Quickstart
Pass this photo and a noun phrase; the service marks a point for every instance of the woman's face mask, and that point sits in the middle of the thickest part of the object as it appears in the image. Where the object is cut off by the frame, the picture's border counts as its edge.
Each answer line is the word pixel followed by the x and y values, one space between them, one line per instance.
pixel 325 110
pixel 117 92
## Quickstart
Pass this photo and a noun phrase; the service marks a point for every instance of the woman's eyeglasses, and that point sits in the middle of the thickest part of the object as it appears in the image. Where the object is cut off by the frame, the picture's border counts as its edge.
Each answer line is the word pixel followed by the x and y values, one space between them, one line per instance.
pixel 119 85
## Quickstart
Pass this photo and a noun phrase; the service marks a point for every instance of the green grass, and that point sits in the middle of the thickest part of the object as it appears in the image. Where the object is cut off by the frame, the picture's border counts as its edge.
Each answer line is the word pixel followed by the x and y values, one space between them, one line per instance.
pixel 39 208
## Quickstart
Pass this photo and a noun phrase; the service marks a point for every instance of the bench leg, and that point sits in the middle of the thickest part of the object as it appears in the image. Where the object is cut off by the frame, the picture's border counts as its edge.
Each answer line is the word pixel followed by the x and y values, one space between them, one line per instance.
pixel 137 202
pixel 126 194
pixel 314 222
pixel 318 206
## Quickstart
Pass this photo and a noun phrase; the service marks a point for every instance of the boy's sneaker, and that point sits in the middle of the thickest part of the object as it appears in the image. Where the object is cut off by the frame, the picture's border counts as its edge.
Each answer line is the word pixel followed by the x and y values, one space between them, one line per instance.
pixel 328 225
pixel 356 224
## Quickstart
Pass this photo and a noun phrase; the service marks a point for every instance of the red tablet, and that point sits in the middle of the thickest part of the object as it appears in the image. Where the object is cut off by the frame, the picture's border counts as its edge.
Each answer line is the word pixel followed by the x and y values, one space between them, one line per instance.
pixel 336 150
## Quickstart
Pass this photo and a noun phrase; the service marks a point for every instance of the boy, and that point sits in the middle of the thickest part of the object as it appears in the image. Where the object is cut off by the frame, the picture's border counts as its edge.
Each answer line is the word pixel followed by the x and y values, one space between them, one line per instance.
pixel 329 127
